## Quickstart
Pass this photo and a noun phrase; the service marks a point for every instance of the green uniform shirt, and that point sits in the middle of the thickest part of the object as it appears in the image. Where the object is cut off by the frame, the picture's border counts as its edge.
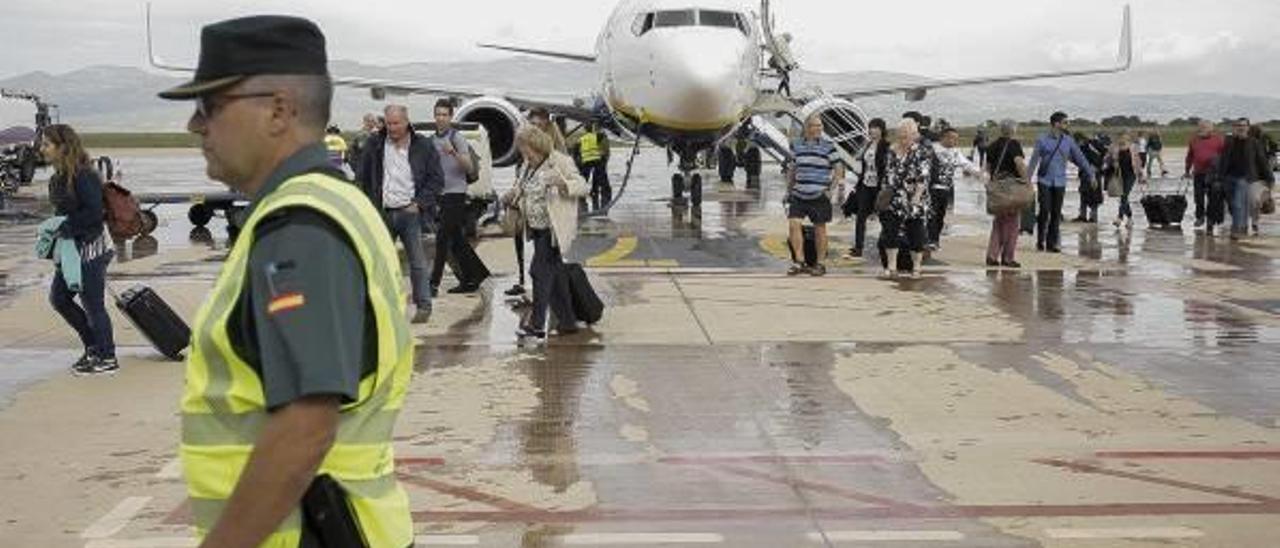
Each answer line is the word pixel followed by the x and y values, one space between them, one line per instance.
pixel 326 345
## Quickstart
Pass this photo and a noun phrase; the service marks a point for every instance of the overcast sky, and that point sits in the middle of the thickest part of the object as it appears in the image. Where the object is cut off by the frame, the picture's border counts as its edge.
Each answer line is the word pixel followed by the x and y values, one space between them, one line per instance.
pixel 927 37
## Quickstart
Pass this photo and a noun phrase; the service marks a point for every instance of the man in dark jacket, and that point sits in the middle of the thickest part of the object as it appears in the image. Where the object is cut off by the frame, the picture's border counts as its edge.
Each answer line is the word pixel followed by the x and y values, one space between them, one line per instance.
pixel 1243 160
pixel 400 172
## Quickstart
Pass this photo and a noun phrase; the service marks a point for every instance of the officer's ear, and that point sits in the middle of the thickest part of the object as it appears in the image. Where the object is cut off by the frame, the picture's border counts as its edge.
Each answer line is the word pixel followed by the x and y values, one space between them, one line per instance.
pixel 284 112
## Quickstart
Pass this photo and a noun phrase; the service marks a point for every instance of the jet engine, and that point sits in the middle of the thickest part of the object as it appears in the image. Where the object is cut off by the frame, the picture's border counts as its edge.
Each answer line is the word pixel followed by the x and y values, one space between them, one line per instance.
pixel 500 119
pixel 845 123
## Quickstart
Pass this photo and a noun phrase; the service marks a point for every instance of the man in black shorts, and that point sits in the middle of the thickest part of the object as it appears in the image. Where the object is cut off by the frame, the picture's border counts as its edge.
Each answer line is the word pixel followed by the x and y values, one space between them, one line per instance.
pixel 817 169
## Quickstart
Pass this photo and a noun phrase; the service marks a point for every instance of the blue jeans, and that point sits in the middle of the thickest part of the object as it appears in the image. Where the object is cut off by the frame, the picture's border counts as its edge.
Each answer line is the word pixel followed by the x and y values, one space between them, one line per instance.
pixel 89 318
pixel 406 226
pixel 1238 200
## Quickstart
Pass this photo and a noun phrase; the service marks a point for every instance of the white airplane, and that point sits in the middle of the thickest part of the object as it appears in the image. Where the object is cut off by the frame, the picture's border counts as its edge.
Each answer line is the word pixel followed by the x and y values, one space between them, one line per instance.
pixel 683 74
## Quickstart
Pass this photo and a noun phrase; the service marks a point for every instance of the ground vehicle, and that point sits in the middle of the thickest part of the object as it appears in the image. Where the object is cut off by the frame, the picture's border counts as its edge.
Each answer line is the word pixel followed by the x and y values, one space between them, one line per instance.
pixel 23 117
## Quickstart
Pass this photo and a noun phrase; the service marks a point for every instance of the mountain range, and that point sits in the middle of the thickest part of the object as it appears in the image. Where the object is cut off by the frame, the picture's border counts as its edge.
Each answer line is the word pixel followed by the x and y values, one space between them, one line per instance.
pixel 122 99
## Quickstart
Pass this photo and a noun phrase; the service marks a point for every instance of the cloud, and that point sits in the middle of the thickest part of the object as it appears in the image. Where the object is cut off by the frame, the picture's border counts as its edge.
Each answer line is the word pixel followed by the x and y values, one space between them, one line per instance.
pixel 1167 49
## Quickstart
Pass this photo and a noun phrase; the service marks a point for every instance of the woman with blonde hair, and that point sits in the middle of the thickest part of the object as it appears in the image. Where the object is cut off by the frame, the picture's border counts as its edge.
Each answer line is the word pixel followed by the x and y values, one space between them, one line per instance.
pixel 76 192
pixel 546 193
pixel 1126 156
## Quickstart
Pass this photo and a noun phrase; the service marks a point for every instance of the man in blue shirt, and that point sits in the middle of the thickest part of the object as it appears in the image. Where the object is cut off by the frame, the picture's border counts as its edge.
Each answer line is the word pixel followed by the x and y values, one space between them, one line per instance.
pixel 1049 168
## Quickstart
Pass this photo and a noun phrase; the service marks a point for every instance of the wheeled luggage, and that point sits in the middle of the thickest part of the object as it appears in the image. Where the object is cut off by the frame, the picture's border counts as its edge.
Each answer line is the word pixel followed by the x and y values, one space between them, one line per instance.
pixel 587 306
pixel 1164 209
pixel 156 320
pixel 810 247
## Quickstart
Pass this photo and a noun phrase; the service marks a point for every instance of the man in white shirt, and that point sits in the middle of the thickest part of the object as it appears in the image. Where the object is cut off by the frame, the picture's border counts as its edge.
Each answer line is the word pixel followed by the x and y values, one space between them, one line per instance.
pixel 942 189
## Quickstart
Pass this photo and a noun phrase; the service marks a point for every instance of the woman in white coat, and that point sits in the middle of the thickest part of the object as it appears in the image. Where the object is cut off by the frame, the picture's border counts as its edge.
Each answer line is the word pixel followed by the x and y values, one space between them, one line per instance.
pixel 547 192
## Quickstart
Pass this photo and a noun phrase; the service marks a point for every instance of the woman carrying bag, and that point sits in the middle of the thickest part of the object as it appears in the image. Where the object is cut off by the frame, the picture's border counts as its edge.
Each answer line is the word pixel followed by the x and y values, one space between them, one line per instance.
pixel 908 209
pixel 546 195
pixel 1128 163
pixel 76 192
pixel 1009 166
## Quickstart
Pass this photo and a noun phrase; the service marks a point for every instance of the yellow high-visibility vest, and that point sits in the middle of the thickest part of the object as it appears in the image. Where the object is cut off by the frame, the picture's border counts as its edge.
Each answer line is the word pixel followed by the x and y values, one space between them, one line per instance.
pixel 337 147
pixel 589 148
pixel 224 406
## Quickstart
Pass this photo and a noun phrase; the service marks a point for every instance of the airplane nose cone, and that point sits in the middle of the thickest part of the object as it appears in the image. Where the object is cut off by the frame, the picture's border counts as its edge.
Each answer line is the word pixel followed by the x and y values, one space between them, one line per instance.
pixel 703 78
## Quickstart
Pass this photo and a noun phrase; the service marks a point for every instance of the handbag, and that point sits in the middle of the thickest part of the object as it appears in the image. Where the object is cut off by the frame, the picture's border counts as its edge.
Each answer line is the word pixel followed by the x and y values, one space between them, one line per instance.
pixel 512 215
pixel 1008 194
pixel 1115 186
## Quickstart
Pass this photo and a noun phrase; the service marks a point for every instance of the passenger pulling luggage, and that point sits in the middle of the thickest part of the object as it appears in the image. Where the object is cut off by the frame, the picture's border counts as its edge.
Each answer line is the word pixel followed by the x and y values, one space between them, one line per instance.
pixel 1165 209
pixel 587 306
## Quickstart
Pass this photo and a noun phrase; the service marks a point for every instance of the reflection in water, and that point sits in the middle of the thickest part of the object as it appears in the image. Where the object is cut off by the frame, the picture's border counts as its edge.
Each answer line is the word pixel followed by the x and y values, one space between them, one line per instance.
pixel 1089 246
pixel 144 246
pixel 1049 286
pixel 547 438
pixel 201 235
pixel 690 229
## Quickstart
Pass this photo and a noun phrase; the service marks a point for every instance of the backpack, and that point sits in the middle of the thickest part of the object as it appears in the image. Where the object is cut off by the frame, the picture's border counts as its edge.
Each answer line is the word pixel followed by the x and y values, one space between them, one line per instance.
pixel 121 210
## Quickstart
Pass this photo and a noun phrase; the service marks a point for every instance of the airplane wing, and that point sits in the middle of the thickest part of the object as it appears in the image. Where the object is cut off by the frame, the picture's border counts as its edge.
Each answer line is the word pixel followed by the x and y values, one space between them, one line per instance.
pixel 582 58
pixel 917 92
pixel 574 108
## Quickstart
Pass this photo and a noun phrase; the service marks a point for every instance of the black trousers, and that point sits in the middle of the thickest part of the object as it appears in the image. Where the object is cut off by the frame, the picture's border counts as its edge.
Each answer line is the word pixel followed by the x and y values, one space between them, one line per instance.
pixel 550 285
pixel 597 173
pixel 89 318
pixel 519 242
pixel 1049 221
pixel 1201 186
pixel 451 240
pixel 865 200
pixel 941 200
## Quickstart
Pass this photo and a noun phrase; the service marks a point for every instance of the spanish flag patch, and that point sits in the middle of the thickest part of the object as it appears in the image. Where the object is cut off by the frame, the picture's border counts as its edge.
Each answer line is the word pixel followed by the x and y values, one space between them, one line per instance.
pixel 286 302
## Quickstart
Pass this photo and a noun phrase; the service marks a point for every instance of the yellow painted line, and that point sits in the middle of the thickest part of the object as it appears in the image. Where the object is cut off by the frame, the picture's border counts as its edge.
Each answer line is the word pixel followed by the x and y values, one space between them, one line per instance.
pixel 616 257
pixel 625 246
pixel 776 246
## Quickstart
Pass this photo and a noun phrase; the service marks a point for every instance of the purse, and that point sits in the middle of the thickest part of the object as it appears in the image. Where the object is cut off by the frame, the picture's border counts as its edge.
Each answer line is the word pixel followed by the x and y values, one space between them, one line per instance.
pixel 1008 194
pixel 512 215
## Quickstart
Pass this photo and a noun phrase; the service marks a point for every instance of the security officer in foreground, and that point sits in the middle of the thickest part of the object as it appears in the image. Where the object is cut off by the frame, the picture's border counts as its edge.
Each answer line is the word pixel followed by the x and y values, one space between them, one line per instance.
pixel 301 355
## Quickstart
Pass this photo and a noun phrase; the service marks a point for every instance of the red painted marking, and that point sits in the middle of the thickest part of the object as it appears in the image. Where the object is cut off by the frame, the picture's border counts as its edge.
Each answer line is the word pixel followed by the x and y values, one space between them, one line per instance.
pixel 1090 469
pixel 468 493
pixel 811 486
pixel 420 461
pixel 871 512
pixel 1209 455
pixel 774 459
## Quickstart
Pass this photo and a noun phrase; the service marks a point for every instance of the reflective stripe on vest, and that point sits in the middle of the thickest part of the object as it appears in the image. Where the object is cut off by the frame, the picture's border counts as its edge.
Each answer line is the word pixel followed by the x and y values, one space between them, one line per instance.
pixel 589 148
pixel 224 407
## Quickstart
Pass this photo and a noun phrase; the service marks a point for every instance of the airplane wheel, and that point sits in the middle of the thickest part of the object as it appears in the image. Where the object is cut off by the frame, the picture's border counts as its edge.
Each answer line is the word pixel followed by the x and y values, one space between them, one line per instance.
pixel 149 221
pixel 677 189
pixel 695 191
pixel 200 214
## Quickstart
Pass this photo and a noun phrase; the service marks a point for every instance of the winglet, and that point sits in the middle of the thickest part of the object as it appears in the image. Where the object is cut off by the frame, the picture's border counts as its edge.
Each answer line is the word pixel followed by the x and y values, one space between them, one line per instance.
pixel 1126 39
pixel 151 53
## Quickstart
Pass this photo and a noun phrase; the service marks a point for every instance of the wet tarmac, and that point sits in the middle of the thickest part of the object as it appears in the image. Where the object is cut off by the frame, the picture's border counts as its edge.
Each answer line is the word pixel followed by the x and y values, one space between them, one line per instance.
pixel 1123 393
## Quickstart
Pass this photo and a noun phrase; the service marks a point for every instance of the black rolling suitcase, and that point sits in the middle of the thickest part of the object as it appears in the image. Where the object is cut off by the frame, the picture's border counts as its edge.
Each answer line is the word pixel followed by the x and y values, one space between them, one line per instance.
pixel 1164 209
pixel 587 306
pixel 156 320
pixel 810 246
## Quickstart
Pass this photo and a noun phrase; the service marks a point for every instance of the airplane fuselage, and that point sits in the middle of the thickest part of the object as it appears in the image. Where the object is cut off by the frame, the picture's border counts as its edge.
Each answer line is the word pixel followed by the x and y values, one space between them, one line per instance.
pixel 682 72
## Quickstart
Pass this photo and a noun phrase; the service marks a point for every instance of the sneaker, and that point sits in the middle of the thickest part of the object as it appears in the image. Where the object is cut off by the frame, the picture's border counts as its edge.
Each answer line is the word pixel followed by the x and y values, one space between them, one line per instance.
pixel 515 291
pixel 83 362
pixel 818 270
pixel 1080 219
pixel 97 366
pixel 1055 249
pixel 464 289
pixel 423 315
pixel 1012 264
pixel 992 262
pixel 526 332
pixel 1039 246
pixel 797 269
pixel 1199 223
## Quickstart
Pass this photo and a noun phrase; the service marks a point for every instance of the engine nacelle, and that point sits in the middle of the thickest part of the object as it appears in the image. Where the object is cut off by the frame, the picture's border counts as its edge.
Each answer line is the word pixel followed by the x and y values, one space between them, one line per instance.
pixel 500 119
pixel 845 123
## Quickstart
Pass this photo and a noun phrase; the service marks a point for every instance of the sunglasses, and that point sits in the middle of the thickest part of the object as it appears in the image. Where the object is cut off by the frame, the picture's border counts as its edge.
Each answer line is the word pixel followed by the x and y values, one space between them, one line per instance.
pixel 207 106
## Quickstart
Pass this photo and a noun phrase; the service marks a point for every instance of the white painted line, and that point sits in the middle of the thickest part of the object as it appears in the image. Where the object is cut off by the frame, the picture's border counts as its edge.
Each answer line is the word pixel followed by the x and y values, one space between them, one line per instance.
pixel 886 536
pixel 116 519
pixel 447 540
pixel 172 470
pixel 589 539
pixel 1126 533
pixel 159 542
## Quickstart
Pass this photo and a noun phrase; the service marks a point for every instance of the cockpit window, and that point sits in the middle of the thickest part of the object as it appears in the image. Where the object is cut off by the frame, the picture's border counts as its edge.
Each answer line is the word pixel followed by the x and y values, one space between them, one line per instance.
pixel 709 18
pixel 675 18
pixel 646 22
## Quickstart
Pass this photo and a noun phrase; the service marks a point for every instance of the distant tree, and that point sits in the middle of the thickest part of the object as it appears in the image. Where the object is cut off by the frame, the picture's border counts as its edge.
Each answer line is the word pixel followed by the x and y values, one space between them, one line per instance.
pixel 990 124
pixel 1083 122
pixel 1036 123
pixel 1185 122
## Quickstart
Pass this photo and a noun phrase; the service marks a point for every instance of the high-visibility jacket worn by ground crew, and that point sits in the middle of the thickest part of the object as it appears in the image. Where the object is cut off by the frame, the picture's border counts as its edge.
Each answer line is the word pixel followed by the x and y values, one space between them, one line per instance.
pixel 589 148
pixel 337 147
pixel 224 407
